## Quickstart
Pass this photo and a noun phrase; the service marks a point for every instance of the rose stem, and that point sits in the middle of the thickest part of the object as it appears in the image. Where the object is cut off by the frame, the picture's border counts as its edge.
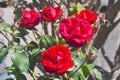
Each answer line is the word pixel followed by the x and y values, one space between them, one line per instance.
pixel 13 38
pixel 91 42
pixel 54 33
pixel 77 69
pixel 32 74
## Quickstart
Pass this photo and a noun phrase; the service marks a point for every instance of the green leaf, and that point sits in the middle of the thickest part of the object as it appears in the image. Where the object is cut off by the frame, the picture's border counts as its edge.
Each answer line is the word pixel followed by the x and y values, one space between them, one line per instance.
pixel 19 48
pixel 5 27
pixel 18 14
pixel 21 32
pixel 32 45
pixel 97 74
pixel 33 48
pixel 47 41
pixel 43 78
pixel 82 76
pixel 33 61
pixel 21 77
pixel 17 40
pixel 90 66
pixel 85 70
pixel 78 58
pixel 76 76
pixel 3 53
pixel 94 51
pixel 13 69
pixel 10 79
pixel 21 60
pixel 10 70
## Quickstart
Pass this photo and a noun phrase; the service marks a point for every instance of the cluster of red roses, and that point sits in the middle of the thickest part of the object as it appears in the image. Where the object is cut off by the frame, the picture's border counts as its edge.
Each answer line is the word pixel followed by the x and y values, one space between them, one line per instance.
pixel 75 30
pixel 31 18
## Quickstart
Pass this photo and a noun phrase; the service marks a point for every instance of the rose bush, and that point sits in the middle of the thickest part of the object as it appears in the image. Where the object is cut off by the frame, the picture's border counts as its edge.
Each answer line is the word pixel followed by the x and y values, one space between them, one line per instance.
pixel 57 59
pixel 76 31
pixel 58 55
pixel 29 19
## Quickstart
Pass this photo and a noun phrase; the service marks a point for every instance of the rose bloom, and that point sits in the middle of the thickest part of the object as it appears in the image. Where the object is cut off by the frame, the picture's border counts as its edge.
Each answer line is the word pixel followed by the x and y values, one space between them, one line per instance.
pixel 87 15
pixel 57 59
pixel 29 19
pixel 75 31
pixel 51 13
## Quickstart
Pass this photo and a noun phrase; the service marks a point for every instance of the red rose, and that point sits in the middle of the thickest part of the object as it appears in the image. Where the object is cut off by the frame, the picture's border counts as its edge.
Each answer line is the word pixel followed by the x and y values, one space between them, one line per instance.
pixel 57 59
pixel 87 15
pixel 75 31
pixel 30 18
pixel 51 13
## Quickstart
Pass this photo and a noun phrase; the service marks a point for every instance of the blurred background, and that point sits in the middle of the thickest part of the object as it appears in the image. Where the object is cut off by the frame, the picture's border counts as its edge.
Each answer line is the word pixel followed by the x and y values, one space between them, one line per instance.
pixel 107 41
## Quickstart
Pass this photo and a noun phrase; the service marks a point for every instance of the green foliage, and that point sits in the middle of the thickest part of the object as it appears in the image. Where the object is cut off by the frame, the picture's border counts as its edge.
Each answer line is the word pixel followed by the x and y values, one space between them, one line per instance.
pixel 18 14
pixel 33 48
pixel 97 74
pixel 44 77
pixel 47 41
pixel 77 8
pixel 10 79
pixel 21 77
pixel 3 53
pixel 5 27
pixel 85 68
pixel 21 32
pixel 21 60
pixel 34 51
pixel 94 52
pixel 11 70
